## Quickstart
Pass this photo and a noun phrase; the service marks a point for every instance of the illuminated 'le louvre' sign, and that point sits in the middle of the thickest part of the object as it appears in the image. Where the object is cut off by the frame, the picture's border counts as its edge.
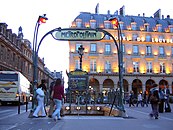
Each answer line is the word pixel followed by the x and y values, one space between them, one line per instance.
pixel 79 34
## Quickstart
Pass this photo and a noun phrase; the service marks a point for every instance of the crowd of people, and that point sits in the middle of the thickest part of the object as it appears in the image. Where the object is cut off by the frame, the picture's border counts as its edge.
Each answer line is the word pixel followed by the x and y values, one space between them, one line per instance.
pixel 56 96
pixel 158 98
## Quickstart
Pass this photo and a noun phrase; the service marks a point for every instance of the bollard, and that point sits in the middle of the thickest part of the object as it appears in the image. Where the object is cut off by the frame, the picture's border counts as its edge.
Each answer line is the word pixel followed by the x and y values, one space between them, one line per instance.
pixel 19 105
pixel 26 104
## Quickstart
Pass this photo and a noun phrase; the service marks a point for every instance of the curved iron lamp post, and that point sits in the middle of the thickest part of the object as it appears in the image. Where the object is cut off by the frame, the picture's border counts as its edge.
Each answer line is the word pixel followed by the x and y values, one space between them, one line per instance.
pixel 80 52
pixel 41 19
pixel 116 24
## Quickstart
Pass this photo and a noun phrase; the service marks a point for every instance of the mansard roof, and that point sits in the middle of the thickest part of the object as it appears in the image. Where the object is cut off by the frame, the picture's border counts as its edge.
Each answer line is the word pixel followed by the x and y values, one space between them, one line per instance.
pixel 126 19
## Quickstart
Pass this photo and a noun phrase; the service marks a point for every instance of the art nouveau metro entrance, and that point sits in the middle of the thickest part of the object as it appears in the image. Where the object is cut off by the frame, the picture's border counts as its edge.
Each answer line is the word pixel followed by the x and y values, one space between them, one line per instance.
pixel 78 80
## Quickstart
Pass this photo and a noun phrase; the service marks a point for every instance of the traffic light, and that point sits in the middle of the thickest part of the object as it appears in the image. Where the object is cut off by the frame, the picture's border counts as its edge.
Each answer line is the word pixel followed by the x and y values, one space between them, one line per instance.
pixel 42 19
pixel 114 22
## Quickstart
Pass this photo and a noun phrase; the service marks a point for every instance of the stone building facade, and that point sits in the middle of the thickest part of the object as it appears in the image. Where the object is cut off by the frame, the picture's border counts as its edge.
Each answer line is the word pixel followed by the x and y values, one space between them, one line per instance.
pixel 147 51
pixel 16 55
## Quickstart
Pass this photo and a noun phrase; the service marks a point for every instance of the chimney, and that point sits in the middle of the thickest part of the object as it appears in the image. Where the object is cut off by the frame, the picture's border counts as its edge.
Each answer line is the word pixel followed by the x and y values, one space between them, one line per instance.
pixel 157 14
pixel 97 9
pixel 122 10
pixel 168 16
pixel 143 14
pixel 116 12
pixel 108 12
pixel 162 16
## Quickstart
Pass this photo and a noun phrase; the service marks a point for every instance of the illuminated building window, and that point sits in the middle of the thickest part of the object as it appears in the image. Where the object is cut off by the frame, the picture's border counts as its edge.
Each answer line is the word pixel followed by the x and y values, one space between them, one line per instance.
pixel 134 37
pixel 93 23
pixel 159 27
pixel 107 24
pixel 162 67
pixel 121 25
pixel 172 51
pixel 108 67
pixel 135 50
pixel 149 67
pixel 135 67
pixel 79 23
pixel 148 50
pixel 77 46
pixel 161 51
pixel 93 47
pixel 107 49
pixel 148 38
pixel 171 28
pixel 146 27
pixel 77 64
pixel 133 25
pixel 93 66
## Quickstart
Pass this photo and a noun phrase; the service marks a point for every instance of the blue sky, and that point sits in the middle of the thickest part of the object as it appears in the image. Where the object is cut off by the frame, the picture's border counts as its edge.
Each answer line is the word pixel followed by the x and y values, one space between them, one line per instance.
pixel 61 13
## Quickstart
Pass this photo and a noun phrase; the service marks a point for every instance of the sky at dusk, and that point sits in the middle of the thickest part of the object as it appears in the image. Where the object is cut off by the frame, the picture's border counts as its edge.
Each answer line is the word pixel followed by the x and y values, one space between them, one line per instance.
pixel 61 13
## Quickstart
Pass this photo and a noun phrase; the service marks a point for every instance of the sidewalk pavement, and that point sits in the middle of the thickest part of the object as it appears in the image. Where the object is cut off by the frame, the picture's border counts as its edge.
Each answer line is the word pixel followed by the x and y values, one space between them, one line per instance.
pixel 138 119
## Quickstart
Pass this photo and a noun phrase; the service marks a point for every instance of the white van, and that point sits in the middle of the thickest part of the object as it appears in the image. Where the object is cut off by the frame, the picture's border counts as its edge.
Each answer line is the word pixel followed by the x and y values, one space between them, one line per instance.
pixel 12 86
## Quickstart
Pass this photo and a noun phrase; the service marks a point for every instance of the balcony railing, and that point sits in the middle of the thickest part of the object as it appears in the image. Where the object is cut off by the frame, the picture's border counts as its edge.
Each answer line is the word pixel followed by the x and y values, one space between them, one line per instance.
pixel 111 71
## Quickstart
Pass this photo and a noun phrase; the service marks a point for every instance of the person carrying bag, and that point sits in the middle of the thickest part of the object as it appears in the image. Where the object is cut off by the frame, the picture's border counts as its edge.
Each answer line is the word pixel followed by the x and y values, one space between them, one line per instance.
pixel 40 99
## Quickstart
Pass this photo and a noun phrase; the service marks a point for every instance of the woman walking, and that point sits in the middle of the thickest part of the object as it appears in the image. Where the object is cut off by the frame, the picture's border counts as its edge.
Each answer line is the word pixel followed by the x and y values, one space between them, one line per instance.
pixel 40 99
pixel 154 100
pixel 58 96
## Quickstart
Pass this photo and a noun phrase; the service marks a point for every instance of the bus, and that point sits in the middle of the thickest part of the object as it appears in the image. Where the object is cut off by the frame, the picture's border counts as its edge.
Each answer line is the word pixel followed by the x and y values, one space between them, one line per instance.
pixel 13 86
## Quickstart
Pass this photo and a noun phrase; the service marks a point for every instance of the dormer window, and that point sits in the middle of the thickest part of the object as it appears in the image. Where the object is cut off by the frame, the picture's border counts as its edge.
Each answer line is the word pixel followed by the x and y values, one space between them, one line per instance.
pixel 146 27
pixel 171 28
pixel 93 23
pixel 159 27
pixel 121 25
pixel 107 24
pixel 79 23
pixel 133 25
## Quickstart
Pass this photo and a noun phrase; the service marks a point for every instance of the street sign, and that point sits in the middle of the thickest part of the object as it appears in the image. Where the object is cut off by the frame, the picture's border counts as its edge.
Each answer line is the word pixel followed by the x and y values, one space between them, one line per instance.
pixel 79 35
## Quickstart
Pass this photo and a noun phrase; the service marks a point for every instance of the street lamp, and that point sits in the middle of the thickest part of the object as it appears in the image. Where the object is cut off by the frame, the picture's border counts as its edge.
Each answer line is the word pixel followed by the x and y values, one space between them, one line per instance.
pixel 80 52
pixel 116 24
pixel 41 19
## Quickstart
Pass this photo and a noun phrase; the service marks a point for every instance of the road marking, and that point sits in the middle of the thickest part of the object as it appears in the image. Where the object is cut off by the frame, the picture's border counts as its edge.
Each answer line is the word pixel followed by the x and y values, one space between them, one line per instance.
pixel 10 114
pixel 3 111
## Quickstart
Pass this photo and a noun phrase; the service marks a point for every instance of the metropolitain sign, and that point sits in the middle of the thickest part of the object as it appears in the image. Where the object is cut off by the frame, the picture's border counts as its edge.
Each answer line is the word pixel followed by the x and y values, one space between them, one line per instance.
pixel 79 35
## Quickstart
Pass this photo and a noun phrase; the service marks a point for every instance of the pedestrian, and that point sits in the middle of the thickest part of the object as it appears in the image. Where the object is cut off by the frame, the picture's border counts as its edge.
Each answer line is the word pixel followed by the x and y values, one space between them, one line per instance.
pixel 131 99
pixel 58 96
pixel 167 105
pixel 139 100
pixel 154 100
pixel 51 102
pixel 40 99
pixel 43 86
pixel 145 100
pixel 162 99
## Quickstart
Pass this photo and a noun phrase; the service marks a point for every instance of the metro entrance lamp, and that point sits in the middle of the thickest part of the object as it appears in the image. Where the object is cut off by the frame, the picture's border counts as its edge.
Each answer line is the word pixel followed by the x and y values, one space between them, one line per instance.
pixel 116 25
pixel 41 19
pixel 80 52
